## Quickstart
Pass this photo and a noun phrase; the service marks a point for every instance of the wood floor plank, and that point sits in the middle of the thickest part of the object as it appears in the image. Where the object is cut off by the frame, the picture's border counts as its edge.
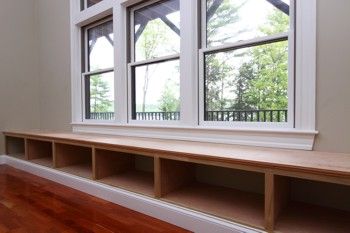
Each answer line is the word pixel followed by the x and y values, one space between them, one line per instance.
pixel 29 203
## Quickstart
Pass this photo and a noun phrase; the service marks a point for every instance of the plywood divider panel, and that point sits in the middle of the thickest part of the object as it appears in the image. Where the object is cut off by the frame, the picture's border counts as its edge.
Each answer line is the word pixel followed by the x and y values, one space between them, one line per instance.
pixel 14 145
pixel 38 149
pixel 277 196
pixel 174 174
pixel 66 155
pixel 108 163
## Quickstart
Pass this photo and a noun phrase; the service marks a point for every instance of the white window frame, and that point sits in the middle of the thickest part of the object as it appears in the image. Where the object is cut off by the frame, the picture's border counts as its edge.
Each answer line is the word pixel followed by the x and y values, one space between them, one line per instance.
pixel 301 136
pixel 88 73
pixel 133 64
pixel 286 36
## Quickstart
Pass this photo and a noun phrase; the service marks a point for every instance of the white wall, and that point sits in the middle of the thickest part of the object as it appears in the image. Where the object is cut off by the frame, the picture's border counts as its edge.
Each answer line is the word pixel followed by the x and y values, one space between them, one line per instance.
pixel 35 76
pixel 19 89
pixel 54 63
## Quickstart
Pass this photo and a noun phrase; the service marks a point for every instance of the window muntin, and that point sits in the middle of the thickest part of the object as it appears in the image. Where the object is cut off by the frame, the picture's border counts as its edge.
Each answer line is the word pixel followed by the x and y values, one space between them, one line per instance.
pixel 100 46
pixel 98 77
pixel 155 45
pixel 246 72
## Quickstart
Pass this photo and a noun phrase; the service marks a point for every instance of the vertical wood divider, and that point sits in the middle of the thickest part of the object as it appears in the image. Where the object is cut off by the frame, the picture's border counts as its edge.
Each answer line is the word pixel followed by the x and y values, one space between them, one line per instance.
pixel 157 178
pixel 54 155
pixel 6 145
pixel 26 154
pixel 94 171
pixel 277 194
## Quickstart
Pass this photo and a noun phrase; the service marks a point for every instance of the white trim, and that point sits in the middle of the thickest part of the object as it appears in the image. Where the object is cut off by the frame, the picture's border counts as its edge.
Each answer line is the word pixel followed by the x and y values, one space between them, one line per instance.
pixel 247 43
pixel 276 138
pixel 305 87
pixel 305 96
pixel 189 219
pixel 2 159
pixel 189 62
pixel 91 14
pixel 120 61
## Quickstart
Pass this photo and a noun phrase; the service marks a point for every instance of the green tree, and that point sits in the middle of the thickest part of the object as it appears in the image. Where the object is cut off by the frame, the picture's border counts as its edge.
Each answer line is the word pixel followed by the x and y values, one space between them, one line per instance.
pixel 266 74
pixel 147 44
pixel 99 99
pixel 168 101
pixel 217 70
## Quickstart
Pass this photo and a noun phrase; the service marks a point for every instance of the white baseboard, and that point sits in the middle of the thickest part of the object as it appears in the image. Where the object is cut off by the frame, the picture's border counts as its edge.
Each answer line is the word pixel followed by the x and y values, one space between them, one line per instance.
pixel 2 159
pixel 191 220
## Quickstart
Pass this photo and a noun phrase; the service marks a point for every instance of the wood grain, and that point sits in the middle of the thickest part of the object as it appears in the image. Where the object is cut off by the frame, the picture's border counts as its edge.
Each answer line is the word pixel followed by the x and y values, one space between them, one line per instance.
pixel 32 204
pixel 312 162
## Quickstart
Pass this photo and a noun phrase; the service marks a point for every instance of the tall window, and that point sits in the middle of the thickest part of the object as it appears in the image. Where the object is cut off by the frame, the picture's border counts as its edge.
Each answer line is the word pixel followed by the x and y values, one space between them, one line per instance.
pixel 245 57
pixel 99 76
pixel 155 74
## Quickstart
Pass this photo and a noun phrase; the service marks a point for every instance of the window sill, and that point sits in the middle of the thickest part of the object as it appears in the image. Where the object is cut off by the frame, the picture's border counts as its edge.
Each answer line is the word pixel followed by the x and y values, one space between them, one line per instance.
pixel 275 138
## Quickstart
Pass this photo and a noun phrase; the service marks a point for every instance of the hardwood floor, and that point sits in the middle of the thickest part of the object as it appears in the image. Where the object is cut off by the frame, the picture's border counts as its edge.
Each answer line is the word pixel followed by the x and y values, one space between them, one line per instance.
pixel 29 204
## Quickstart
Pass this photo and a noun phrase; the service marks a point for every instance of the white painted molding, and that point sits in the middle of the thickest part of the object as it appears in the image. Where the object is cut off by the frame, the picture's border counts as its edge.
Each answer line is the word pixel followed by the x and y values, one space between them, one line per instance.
pixel 277 138
pixel 2 159
pixel 182 217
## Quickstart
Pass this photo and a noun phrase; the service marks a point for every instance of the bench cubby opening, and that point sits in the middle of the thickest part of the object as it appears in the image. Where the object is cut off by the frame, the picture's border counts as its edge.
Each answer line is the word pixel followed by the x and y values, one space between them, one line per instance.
pixel 73 159
pixel 312 206
pixel 15 147
pixel 224 192
pixel 125 170
pixel 40 152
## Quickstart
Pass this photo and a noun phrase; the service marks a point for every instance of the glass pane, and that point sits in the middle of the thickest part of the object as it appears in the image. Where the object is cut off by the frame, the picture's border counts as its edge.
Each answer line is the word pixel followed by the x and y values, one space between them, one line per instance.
pixel 248 84
pixel 156 95
pixel 157 30
pixel 236 20
pixel 100 39
pixel 100 96
pixel 92 2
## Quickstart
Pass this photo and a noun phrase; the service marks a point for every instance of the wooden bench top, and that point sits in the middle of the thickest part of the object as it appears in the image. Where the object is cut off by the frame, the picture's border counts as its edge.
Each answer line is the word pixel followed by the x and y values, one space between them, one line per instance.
pixel 320 163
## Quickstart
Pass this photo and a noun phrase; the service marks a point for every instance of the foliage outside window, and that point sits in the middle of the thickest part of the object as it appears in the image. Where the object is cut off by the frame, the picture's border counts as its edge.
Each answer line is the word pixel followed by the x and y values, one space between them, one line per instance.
pixel 155 61
pixel 99 75
pixel 246 60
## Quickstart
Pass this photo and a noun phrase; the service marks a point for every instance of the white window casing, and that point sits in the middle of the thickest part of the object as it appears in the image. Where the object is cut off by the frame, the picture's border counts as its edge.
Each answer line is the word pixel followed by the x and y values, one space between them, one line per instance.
pixel 298 135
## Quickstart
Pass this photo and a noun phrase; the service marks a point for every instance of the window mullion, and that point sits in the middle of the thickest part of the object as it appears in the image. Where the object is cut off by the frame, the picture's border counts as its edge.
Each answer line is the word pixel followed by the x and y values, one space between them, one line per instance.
pixel 189 62
pixel 120 61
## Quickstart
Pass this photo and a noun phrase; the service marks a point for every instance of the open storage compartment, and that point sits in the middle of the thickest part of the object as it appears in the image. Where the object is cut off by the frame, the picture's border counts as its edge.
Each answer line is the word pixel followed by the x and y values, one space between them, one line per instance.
pixel 15 147
pixel 40 152
pixel 311 206
pixel 74 159
pixel 224 192
pixel 128 171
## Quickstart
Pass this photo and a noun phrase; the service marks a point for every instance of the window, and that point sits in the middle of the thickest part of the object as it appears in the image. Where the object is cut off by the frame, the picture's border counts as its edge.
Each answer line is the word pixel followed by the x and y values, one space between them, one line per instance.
pixel 246 60
pixel 226 71
pixel 99 76
pixel 155 67
pixel 88 3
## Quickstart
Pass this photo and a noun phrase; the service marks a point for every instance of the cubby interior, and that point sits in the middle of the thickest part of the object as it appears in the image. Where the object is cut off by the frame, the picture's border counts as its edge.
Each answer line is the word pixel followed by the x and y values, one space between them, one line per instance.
pixel 129 171
pixel 314 206
pixel 74 159
pixel 228 193
pixel 15 147
pixel 40 152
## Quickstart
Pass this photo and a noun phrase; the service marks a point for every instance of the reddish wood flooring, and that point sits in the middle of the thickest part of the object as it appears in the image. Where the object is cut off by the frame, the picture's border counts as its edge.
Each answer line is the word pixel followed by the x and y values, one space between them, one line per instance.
pixel 29 204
